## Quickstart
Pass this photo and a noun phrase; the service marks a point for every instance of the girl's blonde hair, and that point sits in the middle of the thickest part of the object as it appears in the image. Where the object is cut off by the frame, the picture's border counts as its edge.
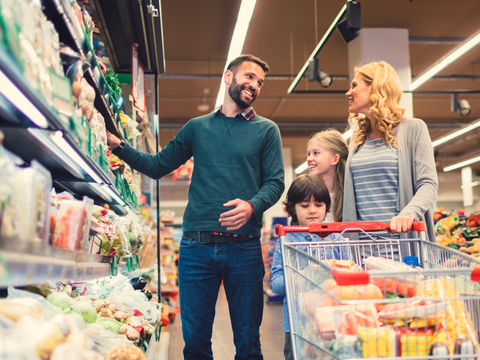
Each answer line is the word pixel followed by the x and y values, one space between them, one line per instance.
pixel 333 141
pixel 384 103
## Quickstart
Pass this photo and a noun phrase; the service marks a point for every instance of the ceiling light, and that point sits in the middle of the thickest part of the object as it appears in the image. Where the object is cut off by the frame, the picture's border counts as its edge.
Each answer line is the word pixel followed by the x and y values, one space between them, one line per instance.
pixel 315 74
pixel 462 106
pixel 456 134
pixel 238 38
pixel 446 60
pixel 346 135
pixel 9 90
pixel 204 107
pixel 317 49
pixel 461 164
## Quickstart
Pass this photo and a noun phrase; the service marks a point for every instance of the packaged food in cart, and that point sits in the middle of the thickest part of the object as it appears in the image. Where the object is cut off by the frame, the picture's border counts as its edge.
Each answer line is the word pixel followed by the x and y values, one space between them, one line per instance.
pixel 389 310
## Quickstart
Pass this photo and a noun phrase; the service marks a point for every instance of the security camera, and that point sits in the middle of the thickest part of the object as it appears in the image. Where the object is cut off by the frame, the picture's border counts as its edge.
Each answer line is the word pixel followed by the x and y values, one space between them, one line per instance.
pixel 315 74
pixel 462 106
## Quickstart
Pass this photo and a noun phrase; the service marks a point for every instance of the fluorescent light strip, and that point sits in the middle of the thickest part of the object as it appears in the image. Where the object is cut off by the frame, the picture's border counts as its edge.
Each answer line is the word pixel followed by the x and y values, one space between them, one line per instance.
pixel 41 136
pixel 113 195
pixel 238 39
pixel 20 101
pixel 58 139
pixel 475 183
pixel 446 60
pixel 461 164
pixel 109 193
pixel 456 134
pixel 346 135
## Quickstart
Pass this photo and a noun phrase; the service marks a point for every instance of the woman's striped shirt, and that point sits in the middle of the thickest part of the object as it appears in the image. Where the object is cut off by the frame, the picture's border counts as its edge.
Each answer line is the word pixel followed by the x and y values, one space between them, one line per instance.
pixel 375 178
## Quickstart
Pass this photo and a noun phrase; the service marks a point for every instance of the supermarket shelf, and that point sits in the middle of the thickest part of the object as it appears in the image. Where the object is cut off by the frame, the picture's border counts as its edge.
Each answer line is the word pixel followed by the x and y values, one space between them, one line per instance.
pixel 123 22
pixel 101 105
pixel 26 269
pixel 89 271
pixel 55 12
pixel 158 350
pixel 67 33
pixel 14 108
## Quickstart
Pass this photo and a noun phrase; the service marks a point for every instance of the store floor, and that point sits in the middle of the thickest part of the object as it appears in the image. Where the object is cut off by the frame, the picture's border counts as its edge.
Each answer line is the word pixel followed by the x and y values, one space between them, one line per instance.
pixel 272 336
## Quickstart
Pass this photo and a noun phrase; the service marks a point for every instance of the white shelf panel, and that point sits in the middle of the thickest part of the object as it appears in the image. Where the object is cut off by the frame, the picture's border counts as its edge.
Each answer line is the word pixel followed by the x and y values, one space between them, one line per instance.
pixel 27 269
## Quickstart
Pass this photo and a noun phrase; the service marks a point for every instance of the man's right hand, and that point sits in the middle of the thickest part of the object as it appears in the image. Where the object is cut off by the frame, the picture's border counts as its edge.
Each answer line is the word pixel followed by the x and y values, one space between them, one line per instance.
pixel 112 140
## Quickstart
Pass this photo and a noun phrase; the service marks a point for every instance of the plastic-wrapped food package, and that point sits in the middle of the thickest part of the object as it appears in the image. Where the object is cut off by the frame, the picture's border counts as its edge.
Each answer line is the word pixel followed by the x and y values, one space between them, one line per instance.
pixel 73 224
pixel 130 126
pixel 31 192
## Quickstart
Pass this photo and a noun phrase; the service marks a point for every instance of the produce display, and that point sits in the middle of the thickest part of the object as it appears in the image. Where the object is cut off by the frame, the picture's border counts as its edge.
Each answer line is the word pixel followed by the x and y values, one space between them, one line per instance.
pixel 108 318
pixel 392 316
pixel 457 230
pixel 105 319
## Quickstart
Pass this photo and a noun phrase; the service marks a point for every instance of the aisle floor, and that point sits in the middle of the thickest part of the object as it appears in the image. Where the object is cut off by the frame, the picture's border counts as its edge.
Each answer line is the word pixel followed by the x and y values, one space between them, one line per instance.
pixel 272 336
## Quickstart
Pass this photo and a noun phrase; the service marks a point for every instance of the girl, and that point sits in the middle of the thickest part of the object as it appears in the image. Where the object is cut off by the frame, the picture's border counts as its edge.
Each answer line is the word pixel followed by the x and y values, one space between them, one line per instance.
pixel 308 201
pixel 327 153
pixel 390 172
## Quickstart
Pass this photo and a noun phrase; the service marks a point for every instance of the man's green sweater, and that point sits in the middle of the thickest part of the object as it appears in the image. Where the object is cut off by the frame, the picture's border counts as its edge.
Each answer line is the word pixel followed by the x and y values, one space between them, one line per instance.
pixel 233 158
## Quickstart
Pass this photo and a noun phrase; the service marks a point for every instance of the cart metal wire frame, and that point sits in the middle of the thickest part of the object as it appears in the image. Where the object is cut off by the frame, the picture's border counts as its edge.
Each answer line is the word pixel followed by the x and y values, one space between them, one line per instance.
pixel 445 304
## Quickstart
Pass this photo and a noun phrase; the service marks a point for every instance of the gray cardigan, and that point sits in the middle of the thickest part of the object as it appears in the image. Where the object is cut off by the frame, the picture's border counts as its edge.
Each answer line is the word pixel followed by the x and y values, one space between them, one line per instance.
pixel 417 177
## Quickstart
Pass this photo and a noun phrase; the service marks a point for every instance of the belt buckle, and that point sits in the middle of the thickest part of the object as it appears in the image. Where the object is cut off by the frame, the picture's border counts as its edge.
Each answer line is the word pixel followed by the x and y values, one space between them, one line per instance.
pixel 205 237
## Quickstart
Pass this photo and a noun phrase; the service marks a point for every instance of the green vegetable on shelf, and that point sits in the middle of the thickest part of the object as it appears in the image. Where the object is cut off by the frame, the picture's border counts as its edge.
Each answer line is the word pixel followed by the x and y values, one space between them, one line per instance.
pixel 86 310
pixel 59 299
pixel 110 324
pixel 112 80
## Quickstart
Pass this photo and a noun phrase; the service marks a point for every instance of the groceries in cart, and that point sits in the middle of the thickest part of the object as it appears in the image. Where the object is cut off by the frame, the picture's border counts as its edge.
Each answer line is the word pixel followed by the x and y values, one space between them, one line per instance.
pixel 388 309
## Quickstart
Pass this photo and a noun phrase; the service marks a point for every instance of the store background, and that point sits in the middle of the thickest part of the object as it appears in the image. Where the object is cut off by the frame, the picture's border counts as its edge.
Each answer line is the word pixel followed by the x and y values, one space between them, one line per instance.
pixel 285 33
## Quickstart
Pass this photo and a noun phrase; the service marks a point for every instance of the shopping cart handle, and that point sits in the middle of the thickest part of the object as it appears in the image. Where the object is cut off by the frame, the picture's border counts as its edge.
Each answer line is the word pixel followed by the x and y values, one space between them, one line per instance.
pixel 475 274
pixel 325 229
pixel 348 277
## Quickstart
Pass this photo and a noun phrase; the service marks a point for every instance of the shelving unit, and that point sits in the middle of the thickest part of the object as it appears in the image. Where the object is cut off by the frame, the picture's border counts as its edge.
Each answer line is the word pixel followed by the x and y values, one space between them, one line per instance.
pixel 35 131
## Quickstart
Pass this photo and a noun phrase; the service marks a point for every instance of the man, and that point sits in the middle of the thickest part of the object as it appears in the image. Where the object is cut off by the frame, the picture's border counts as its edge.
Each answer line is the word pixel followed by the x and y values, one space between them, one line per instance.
pixel 238 174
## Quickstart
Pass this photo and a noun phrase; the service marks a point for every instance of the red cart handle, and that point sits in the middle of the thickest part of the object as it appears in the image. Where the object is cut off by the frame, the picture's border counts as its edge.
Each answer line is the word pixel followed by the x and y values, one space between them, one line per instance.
pixel 326 229
pixel 348 277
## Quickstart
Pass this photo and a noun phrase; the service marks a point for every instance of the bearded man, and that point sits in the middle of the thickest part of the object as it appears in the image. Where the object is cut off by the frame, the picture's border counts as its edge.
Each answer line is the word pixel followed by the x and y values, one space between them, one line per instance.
pixel 238 174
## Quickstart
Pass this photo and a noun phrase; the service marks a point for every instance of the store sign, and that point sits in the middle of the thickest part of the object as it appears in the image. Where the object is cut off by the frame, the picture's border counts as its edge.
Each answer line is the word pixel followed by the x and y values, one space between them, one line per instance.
pixel 138 80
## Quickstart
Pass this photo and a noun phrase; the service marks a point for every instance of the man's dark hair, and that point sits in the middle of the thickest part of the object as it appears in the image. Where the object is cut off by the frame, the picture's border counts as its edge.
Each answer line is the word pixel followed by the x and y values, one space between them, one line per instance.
pixel 235 63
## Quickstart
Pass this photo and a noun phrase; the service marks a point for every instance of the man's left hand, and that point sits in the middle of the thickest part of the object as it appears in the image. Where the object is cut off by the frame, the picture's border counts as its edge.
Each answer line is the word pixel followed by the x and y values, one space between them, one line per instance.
pixel 236 218
pixel 400 224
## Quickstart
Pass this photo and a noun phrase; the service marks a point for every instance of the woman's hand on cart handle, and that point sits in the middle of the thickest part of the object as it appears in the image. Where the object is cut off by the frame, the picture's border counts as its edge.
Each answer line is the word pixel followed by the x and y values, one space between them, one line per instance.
pixel 401 224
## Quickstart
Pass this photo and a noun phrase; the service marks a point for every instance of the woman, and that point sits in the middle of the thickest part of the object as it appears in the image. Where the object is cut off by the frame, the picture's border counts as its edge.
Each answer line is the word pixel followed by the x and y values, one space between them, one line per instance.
pixel 327 153
pixel 390 172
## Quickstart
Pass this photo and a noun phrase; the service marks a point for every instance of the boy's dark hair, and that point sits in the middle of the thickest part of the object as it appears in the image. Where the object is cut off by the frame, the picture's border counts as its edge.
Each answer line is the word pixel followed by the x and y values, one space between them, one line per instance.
pixel 302 189
pixel 235 63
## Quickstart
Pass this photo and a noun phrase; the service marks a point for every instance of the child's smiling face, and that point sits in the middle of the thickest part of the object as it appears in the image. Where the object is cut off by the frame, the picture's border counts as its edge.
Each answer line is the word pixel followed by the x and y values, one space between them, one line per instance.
pixel 310 212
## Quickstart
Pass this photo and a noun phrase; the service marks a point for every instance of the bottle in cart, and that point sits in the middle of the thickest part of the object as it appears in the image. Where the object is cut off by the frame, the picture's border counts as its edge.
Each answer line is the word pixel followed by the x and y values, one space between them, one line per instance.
pixel 412 261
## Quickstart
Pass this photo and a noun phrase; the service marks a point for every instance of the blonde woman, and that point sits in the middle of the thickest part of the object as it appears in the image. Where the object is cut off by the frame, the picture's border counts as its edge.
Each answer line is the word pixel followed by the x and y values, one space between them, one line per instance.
pixel 327 153
pixel 390 173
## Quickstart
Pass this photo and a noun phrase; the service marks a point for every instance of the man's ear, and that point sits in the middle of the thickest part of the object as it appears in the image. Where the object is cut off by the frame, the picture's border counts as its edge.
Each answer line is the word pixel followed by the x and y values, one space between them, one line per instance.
pixel 228 77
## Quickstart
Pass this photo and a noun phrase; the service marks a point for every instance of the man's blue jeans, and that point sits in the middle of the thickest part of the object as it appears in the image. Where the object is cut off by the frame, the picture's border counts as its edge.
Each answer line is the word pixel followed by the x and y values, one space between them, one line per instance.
pixel 201 269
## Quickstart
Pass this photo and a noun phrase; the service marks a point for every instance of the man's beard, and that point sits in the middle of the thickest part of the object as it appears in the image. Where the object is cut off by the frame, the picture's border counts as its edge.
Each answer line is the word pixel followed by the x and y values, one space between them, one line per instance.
pixel 235 92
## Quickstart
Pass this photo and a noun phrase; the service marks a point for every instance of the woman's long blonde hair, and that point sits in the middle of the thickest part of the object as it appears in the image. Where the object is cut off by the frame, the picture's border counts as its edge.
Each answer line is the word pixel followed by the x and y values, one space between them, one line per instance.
pixel 384 103
pixel 332 140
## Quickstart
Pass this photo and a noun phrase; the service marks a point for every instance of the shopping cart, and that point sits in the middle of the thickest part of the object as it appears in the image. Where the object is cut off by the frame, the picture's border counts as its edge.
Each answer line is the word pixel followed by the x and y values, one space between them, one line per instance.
pixel 382 308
